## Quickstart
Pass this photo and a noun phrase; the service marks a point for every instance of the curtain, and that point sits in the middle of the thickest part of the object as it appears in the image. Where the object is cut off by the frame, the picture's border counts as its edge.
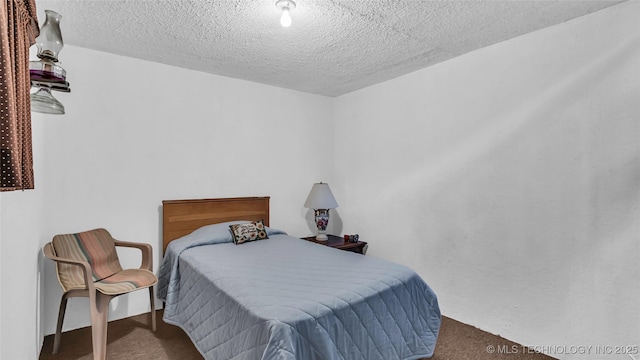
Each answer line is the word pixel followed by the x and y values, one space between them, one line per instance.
pixel 18 31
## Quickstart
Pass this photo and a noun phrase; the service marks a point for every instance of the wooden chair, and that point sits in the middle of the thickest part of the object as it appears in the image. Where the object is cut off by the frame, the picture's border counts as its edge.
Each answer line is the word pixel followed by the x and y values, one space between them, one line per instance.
pixel 87 265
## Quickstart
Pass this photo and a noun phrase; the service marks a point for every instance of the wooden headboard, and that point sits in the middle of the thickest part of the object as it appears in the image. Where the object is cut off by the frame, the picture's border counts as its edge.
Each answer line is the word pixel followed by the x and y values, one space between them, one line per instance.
pixel 181 217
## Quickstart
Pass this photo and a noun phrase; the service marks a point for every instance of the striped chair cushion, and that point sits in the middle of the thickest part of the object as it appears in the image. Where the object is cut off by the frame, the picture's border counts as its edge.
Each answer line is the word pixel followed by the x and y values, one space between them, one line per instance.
pixel 126 281
pixel 95 247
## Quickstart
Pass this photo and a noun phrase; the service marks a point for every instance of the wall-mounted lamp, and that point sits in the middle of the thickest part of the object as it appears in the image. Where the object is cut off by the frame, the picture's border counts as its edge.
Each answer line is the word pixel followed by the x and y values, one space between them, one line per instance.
pixel 286 6
pixel 46 74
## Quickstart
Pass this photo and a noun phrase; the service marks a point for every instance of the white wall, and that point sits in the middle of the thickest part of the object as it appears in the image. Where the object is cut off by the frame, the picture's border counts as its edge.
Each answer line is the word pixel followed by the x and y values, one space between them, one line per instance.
pixel 136 133
pixel 21 268
pixel 509 178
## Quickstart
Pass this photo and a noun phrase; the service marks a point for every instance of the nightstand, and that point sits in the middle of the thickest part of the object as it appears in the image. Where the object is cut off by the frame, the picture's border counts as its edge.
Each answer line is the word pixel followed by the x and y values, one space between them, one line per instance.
pixel 339 243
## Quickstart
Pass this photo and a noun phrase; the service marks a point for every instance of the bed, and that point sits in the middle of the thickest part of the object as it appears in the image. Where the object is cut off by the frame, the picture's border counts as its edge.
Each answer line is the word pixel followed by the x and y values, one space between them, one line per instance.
pixel 283 297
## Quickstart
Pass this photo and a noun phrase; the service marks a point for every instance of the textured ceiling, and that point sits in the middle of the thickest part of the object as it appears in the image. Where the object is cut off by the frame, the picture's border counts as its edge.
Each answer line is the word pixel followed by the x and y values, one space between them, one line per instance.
pixel 333 47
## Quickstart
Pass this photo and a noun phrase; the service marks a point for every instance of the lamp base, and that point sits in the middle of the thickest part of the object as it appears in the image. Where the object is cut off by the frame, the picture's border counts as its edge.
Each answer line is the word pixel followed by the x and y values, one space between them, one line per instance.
pixel 322 220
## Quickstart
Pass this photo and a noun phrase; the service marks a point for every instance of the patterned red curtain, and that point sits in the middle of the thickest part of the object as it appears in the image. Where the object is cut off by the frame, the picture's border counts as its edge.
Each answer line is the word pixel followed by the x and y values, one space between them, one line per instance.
pixel 18 31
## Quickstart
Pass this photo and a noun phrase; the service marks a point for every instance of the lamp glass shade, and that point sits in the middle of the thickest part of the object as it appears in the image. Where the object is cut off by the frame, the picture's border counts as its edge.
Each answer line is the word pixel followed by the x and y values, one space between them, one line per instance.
pixel 49 42
pixel 321 197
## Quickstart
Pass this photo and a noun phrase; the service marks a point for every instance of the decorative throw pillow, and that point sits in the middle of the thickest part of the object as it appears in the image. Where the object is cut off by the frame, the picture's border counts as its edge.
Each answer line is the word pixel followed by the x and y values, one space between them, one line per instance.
pixel 252 231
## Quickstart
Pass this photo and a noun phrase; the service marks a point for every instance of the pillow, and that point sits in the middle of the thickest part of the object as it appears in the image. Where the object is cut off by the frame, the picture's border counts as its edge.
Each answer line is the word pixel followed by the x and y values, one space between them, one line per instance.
pixel 252 231
pixel 206 235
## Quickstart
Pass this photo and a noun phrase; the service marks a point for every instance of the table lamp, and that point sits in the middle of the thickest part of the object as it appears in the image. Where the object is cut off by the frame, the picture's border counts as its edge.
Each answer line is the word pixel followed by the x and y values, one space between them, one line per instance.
pixel 321 199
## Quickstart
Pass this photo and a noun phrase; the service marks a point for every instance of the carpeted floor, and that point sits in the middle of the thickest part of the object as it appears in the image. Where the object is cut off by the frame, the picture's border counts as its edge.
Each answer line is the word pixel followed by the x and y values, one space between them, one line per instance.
pixel 132 338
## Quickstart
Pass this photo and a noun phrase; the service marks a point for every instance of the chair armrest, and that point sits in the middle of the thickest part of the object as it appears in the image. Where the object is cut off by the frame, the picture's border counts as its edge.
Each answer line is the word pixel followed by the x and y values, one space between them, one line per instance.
pixel 146 249
pixel 86 268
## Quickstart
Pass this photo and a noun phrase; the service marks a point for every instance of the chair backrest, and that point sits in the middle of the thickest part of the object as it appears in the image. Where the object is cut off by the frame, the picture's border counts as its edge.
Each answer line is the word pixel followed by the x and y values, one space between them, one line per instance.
pixel 96 247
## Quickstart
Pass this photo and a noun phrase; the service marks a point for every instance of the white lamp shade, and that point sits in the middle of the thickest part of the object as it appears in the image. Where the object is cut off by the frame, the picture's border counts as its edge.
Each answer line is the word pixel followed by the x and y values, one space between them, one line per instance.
pixel 320 197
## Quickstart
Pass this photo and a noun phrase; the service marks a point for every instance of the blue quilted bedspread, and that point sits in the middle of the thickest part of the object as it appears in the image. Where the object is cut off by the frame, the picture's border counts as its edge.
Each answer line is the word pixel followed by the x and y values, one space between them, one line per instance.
pixel 286 298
